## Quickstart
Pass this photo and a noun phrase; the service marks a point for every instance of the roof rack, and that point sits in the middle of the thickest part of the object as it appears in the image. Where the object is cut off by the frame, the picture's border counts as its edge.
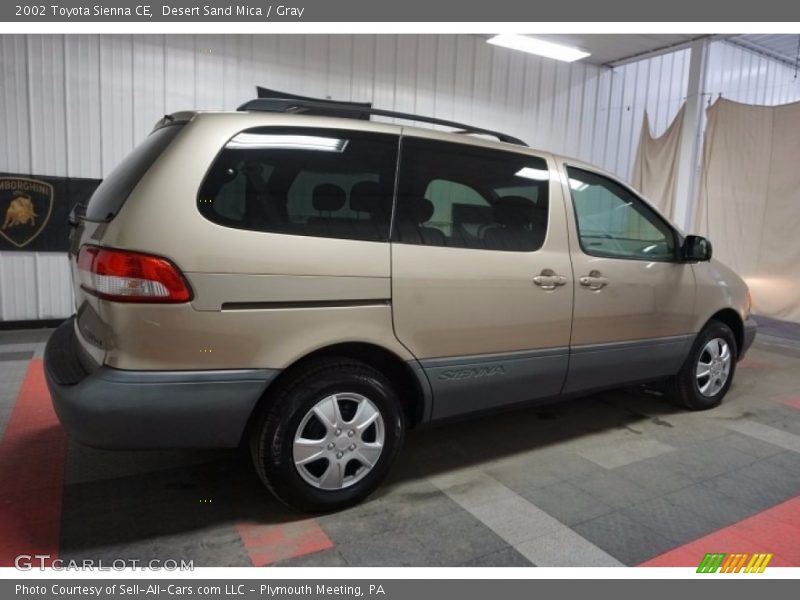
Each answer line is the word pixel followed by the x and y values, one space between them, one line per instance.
pixel 333 108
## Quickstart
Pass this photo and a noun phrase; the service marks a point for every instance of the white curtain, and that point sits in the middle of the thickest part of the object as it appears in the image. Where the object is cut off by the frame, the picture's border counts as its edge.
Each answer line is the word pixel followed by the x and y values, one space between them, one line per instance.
pixel 749 199
pixel 655 169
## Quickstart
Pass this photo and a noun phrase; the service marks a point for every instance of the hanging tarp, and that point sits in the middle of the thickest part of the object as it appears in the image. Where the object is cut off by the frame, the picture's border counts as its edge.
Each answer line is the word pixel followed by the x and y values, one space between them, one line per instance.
pixel 655 170
pixel 749 199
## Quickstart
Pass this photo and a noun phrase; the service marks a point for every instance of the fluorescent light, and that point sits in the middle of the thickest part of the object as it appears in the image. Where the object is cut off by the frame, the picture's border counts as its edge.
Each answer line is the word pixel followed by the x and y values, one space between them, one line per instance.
pixel 539 47
pixel 287 142
pixel 531 173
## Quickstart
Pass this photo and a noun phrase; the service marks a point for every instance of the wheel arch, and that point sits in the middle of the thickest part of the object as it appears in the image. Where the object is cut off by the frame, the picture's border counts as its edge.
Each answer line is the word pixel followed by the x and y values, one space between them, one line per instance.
pixel 732 319
pixel 408 378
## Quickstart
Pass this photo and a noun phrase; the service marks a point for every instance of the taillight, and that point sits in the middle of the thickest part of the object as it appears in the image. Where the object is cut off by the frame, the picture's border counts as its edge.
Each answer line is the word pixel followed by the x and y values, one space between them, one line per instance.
pixel 125 276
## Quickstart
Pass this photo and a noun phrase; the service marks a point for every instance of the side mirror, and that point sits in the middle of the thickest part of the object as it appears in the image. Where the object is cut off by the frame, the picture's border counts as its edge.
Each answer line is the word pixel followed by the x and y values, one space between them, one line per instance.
pixel 696 249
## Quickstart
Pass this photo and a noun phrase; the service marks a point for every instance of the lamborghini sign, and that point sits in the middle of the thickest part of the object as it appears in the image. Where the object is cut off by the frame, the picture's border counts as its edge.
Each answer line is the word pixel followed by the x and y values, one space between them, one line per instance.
pixel 34 210
pixel 25 209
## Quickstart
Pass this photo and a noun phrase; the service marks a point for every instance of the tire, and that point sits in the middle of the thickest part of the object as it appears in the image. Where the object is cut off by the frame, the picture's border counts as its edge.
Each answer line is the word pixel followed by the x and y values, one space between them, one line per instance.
pixel 688 388
pixel 325 482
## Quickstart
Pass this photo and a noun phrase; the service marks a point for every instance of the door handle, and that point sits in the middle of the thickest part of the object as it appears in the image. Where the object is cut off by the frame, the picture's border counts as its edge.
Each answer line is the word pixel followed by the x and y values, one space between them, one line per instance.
pixel 594 281
pixel 548 280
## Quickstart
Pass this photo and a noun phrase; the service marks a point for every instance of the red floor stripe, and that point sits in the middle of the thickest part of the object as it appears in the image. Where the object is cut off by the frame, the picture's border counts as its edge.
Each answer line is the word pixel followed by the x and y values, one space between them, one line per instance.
pixel 267 544
pixel 32 456
pixel 754 363
pixel 792 400
pixel 775 530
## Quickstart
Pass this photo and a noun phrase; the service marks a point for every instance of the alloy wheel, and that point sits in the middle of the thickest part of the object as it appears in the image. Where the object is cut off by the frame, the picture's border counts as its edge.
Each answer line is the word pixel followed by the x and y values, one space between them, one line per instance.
pixel 713 367
pixel 338 442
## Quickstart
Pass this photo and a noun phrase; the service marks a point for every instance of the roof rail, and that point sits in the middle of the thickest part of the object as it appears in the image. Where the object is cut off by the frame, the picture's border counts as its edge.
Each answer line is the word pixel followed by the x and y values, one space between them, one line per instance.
pixel 332 108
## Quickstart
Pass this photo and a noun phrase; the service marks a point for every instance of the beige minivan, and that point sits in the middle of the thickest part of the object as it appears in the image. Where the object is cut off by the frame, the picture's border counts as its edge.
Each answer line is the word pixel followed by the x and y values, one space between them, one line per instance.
pixel 293 277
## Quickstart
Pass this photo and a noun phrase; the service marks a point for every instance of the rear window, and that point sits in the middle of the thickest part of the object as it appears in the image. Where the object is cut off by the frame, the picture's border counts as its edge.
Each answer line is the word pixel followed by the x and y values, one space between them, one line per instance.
pixel 303 181
pixel 111 194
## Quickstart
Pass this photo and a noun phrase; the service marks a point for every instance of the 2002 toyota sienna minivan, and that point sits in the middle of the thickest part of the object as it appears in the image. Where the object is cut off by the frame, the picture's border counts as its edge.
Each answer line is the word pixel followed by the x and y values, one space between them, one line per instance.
pixel 312 286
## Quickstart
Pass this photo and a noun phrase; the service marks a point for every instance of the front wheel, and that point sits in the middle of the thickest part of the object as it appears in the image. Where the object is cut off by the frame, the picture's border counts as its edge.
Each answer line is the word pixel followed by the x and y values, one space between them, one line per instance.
pixel 708 371
pixel 329 435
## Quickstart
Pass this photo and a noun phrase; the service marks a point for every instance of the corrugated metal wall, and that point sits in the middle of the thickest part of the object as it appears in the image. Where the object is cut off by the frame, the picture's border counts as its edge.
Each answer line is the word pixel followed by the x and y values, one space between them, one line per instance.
pixel 76 105
pixel 744 76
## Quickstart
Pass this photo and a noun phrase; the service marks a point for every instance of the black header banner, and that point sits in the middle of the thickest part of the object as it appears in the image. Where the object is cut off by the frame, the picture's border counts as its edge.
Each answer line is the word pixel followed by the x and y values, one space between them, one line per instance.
pixel 315 11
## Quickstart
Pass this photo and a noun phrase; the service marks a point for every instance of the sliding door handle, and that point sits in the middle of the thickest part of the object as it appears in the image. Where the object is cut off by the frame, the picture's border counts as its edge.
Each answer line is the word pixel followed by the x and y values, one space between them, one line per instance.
pixel 594 281
pixel 548 280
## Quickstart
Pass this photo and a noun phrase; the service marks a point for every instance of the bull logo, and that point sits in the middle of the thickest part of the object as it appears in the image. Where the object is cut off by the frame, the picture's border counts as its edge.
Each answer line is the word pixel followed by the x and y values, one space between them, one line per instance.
pixel 25 207
pixel 20 211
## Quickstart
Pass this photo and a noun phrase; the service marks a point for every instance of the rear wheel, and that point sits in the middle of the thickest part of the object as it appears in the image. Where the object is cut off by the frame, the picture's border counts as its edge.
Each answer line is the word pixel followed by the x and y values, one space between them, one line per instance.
pixel 708 371
pixel 329 435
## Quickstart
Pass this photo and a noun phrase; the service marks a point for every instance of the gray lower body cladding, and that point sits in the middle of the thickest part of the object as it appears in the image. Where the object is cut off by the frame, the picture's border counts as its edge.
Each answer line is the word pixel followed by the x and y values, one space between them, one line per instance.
pixel 111 408
pixel 472 383
pixel 602 366
pixel 466 384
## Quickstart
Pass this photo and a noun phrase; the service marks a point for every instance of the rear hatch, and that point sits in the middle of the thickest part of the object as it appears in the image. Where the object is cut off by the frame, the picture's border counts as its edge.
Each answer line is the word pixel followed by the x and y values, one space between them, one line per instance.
pixel 88 224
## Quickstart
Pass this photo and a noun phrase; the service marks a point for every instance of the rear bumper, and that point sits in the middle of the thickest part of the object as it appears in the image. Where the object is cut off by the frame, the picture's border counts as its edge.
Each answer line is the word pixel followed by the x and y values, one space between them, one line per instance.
pixel 112 408
pixel 750 329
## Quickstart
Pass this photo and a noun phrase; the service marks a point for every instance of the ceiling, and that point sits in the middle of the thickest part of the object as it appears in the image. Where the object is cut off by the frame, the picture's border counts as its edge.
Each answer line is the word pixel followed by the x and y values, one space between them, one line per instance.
pixel 610 49
pixel 615 49
pixel 785 48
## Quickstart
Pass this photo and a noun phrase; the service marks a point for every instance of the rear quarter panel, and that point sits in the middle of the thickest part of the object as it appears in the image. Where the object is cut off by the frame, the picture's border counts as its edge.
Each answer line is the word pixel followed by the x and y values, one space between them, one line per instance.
pixel 232 266
pixel 178 337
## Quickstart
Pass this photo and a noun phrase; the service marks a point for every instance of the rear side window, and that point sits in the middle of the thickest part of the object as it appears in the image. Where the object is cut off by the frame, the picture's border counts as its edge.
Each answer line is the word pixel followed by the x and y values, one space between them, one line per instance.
pixel 111 194
pixel 300 181
pixel 464 197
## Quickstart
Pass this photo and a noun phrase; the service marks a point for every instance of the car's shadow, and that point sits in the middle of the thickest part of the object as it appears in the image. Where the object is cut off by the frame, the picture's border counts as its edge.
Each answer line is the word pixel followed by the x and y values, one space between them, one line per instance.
pixel 161 499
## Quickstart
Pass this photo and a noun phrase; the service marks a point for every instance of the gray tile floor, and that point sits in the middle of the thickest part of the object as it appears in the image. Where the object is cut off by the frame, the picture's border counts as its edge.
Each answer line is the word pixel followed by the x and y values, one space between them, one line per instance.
pixel 616 478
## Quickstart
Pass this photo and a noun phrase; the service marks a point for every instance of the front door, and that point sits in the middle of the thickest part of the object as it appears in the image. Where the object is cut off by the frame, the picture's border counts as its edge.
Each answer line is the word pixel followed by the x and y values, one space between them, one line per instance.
pixel 634 300
pixel 481 278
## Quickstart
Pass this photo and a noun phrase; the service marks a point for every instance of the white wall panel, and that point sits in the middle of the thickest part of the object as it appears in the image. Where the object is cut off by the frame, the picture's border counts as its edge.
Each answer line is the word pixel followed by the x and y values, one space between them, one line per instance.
pixel 53 286
pixel 424 90
pixel 116 100
pixel 82 105
pixel 393 67
pixel 34 285
pixel 47 117
pixel 18 281
pixel 211 64
pixel 179 73
pixel 76 105
pixel 743 76
pixel 15 151
pixel 363 66
pixel 148 83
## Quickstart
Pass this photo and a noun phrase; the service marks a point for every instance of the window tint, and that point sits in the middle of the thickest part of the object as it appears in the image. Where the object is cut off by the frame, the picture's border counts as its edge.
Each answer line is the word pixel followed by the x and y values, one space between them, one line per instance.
pixel 613 222
pixel 111 194
pixel 324 183
pixel 465 197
